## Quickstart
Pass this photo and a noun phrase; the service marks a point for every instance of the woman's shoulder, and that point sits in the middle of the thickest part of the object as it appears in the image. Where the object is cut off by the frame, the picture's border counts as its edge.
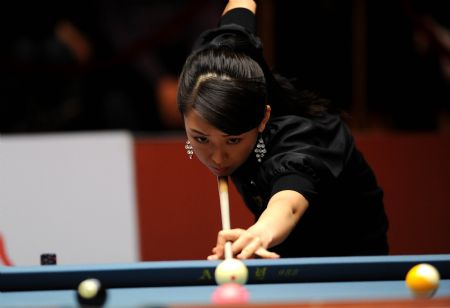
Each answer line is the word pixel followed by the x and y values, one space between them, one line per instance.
pixel 327 123
pixel 294 133
pixel 314 146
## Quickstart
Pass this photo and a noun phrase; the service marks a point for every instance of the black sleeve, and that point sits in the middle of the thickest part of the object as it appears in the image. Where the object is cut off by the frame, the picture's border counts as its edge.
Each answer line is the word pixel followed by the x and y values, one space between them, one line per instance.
pixel 240 16
pixel 304 155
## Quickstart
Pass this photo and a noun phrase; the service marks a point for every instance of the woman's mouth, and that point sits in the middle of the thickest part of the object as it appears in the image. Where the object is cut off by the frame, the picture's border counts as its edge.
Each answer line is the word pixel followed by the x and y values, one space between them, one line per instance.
pixel 219 171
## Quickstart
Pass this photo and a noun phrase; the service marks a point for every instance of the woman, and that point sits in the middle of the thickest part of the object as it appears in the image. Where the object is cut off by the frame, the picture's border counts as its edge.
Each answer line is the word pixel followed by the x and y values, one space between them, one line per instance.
pixel 288 153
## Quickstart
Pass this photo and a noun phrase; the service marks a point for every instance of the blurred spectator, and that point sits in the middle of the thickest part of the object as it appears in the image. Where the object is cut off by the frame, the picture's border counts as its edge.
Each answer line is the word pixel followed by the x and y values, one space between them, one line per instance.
pixel 408 49
pixel 432 41
pixel 88 65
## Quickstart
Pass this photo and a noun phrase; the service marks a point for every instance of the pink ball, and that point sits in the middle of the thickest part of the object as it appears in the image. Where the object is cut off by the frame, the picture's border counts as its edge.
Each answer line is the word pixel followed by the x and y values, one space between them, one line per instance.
pixel 230 293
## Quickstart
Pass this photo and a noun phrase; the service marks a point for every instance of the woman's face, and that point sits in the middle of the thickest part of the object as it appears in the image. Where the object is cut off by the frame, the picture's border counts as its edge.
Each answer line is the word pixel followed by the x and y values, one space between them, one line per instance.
pixel 220 152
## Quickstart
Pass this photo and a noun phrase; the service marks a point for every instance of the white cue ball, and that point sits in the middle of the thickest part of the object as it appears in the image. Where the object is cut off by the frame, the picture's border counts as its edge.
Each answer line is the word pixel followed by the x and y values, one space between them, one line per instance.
pixel 231 270
pixel 89 288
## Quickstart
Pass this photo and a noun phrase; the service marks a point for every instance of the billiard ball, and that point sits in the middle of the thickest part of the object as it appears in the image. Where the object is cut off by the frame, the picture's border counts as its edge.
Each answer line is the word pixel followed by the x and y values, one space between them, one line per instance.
pixel 231 270
pixel 230 293
pixel 423 280
pixel 90 292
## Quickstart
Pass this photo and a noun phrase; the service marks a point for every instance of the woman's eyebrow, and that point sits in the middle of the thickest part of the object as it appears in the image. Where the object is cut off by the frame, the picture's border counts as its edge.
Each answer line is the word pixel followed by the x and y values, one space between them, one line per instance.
pixel 194 130
pixel 197 131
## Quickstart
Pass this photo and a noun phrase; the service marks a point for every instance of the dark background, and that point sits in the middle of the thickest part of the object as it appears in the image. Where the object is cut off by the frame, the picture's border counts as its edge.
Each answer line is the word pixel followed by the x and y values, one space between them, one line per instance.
pixel 98 65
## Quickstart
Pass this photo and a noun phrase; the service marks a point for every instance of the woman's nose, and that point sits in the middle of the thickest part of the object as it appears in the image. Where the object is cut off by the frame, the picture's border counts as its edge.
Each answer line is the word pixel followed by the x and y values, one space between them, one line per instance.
pixel 219 156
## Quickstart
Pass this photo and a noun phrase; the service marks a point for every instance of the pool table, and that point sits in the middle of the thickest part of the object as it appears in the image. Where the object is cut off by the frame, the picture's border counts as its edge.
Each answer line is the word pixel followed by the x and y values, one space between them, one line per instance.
pixel 370 281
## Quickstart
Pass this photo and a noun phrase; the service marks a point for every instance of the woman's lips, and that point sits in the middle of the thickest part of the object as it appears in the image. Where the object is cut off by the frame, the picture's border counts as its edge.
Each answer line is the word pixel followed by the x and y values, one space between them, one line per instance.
pixel 219 171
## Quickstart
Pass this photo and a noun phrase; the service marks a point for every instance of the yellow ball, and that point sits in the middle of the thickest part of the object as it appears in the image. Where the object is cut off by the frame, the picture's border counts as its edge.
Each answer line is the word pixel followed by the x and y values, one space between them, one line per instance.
pixel 231 270
pixel 423 280
pixel 89 288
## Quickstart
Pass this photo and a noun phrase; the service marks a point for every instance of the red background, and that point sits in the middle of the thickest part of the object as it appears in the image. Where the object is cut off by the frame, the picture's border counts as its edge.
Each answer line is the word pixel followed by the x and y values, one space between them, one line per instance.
pixel 178 203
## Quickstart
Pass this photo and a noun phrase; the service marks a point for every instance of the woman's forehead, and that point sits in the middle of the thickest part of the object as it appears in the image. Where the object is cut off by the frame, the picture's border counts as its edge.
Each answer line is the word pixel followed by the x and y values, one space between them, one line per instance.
pixel 194 122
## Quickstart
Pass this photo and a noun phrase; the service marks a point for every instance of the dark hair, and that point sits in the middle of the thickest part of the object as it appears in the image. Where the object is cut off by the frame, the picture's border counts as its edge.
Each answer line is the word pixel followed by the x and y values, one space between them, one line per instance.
pixel 229 84
pixel 226 88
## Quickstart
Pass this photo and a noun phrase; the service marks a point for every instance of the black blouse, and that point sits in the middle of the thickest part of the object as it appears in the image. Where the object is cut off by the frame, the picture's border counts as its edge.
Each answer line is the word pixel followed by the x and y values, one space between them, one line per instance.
pixel 316 157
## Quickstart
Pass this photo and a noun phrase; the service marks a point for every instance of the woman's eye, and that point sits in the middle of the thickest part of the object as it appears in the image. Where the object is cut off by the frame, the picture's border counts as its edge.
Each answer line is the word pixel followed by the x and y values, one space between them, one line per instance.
pixel 201 139
pixel 234 140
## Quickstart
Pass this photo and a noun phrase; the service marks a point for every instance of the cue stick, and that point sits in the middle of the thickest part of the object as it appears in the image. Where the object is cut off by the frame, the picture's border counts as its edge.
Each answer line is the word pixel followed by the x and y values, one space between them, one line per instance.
pixel 222 182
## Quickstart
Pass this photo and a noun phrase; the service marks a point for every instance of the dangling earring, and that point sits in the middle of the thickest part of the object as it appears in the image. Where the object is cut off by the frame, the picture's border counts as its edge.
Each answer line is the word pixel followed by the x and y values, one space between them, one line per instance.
pixel 260 149
pixel 189 149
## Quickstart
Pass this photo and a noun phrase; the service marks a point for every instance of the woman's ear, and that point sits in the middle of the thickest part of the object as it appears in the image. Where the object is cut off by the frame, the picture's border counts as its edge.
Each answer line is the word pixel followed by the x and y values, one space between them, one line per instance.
pixel 264 121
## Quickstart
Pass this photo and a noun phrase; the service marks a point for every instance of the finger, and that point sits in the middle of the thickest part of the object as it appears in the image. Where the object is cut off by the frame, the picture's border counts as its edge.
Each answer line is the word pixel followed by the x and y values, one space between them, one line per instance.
pixel 229 236
pixel 217 253
pixel 213 257
pixel 245 246
pixel 248 246
pixel 263 254
pixel 215 250
pixel 255 248
pixel 266 254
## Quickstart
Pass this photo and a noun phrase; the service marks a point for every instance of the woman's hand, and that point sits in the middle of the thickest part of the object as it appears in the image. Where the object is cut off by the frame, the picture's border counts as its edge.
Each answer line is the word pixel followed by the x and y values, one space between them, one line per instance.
pixel 282 214
pixel 246 244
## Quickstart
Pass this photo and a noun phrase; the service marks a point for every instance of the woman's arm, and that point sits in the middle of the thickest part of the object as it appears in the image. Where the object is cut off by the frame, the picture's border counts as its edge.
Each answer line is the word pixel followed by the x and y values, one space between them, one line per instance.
pixel 246 4
pixel 282 214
